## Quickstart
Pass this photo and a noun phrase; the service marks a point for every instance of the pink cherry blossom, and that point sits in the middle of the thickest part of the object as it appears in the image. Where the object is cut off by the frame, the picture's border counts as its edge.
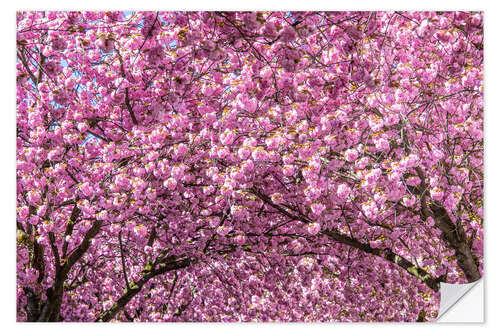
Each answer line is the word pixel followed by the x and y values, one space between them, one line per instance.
pixel 247 166
pixel 313 228
pixel 170 183
pixel 351 155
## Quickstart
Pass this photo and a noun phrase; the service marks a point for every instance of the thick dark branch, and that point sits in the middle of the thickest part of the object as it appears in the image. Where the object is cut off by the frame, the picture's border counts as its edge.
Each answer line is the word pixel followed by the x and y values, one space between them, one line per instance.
pixel 55 293
pixel 82 248
pixel 282 210
pixel 129 317
pixel 129 107
pixel 455 237
pixel 32 304
pixel 136 287
pixel 39 260
pixel 152 236
pixel 386 254
pixel 55 251
pixel 453 233
pixel 40 71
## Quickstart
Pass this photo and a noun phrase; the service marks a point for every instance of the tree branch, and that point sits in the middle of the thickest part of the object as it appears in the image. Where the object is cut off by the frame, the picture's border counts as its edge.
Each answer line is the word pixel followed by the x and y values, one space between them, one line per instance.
pixel 166 266
pixel 386 254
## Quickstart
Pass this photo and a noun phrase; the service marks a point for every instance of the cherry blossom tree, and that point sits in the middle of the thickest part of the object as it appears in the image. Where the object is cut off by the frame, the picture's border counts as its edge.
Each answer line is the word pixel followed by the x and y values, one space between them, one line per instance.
pixel 247 166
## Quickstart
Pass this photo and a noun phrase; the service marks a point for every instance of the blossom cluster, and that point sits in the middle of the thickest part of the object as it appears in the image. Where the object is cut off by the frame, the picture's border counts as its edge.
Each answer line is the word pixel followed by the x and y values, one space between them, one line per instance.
pixel 247 166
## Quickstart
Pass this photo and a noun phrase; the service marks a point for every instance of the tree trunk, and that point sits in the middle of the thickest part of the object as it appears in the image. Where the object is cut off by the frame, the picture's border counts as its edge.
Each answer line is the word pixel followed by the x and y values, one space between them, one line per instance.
pixel 455 237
